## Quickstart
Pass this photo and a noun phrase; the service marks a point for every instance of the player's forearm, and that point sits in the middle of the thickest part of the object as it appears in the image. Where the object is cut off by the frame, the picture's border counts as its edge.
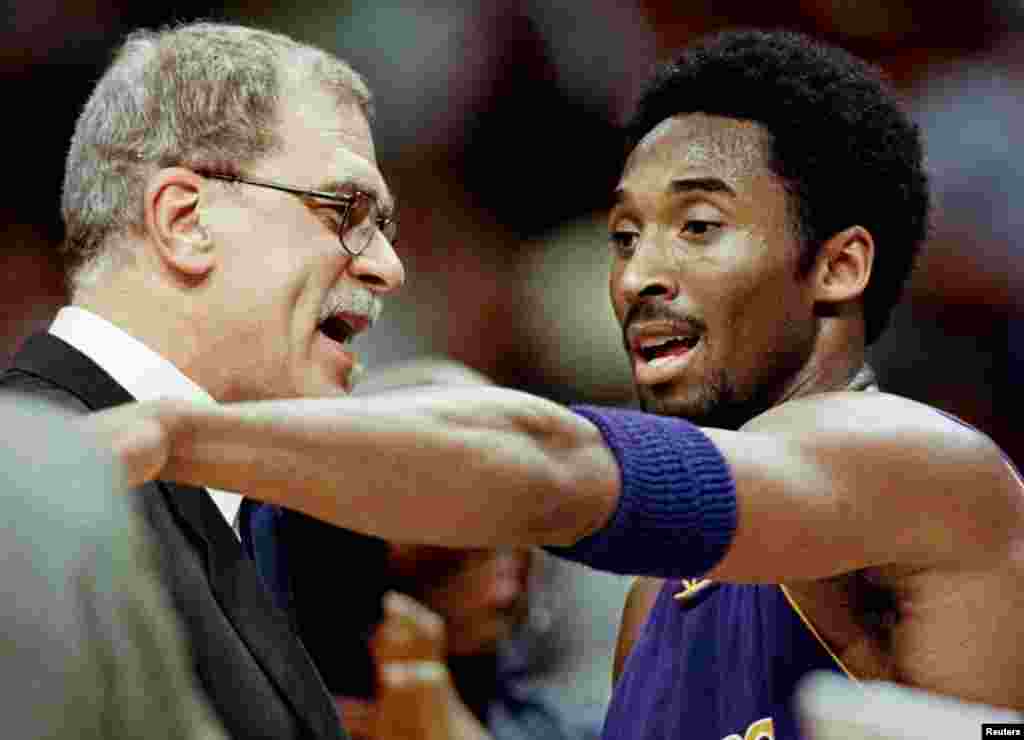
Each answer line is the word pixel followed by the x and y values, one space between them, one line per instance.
pixel 461 467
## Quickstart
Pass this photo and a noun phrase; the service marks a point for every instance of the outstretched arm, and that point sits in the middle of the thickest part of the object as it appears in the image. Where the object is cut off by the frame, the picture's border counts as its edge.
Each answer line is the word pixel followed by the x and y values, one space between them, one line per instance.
pixel 823 485
pixel 461 466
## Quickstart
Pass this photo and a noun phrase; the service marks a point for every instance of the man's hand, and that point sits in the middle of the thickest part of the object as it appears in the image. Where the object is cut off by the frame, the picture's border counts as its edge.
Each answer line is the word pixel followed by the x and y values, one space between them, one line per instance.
pixel 138 434
pixel 415 696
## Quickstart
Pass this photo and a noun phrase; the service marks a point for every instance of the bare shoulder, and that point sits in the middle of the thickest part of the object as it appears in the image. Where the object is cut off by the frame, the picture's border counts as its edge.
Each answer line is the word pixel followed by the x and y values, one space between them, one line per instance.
pixel 895 423
pixel 855 411
pixel 855 480
pixel 894 432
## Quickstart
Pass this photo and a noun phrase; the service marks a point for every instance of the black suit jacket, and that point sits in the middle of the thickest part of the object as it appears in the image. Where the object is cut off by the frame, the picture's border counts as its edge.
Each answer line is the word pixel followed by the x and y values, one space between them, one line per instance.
pixel 247 658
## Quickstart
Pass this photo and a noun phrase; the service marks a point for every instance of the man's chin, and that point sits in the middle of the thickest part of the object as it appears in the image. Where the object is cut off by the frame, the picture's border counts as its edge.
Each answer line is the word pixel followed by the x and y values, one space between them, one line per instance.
pixel 720 410
pixel 666 404
pixel 698 411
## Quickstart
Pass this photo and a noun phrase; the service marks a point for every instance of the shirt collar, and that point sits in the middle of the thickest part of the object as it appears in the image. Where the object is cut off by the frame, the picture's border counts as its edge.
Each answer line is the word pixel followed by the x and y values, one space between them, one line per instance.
pixel 138 369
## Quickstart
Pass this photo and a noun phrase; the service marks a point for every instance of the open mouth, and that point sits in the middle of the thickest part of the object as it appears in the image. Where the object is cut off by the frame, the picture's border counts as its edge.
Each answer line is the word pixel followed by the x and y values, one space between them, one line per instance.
pixel 337 329
pixel 662 348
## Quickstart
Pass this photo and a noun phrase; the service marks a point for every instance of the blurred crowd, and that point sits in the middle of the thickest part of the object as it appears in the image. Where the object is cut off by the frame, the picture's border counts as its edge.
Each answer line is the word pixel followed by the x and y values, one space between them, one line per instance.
pixel 497 126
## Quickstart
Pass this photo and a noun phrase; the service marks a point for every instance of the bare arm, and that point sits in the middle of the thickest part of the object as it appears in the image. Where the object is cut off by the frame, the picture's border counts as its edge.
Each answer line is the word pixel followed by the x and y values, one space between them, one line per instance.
pixel 825 485
pixel 460 466
pixel 639 602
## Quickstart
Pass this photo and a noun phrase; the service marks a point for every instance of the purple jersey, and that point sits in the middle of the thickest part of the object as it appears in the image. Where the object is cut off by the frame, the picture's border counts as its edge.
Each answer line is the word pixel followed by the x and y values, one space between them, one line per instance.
pixel 724 668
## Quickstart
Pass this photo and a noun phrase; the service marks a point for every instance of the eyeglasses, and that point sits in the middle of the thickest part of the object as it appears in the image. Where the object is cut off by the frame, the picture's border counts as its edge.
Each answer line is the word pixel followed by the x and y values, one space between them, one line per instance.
pixel 360 215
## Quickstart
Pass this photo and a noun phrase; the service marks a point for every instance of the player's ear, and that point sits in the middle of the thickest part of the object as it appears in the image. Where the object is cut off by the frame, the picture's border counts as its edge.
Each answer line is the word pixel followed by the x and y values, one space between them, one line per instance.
pixel 843 266
pixel 172 218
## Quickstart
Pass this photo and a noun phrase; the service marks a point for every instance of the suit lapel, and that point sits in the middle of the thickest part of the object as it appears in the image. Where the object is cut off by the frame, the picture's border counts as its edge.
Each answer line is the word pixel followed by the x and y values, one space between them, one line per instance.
pixel 233 578
pixel 57 362
pixel 261 625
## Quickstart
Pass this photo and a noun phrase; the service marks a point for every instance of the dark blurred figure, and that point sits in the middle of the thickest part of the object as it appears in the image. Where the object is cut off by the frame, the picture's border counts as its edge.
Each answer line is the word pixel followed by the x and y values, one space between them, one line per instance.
pixel 970 280
pixel 484 597
pixel 480 595
pixel 31 283
pixel 91 649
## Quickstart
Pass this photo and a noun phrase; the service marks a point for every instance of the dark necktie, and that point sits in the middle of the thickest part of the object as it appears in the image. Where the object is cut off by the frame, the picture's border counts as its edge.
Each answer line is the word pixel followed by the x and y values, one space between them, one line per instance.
pixel 259 527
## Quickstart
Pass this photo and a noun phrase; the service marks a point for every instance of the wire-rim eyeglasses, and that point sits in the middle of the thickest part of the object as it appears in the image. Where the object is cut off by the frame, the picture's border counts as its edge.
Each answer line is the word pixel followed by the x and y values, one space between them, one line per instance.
pixel 360 218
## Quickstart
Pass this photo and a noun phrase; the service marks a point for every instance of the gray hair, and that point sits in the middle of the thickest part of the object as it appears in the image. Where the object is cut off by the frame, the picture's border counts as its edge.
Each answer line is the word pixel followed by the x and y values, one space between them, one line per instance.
pixel 202 95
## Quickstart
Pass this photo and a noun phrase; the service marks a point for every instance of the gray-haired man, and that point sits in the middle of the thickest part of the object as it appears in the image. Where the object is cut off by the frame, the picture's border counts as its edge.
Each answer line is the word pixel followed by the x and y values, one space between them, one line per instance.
pixel 228 232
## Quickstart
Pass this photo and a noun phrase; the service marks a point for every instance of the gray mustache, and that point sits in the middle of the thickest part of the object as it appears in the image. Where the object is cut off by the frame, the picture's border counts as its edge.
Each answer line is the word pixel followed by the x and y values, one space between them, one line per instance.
pixel 359 301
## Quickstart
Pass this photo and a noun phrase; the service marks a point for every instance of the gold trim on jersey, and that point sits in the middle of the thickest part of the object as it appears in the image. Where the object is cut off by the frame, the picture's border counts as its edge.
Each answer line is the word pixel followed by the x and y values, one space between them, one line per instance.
pixel 817 636
pixel 691 587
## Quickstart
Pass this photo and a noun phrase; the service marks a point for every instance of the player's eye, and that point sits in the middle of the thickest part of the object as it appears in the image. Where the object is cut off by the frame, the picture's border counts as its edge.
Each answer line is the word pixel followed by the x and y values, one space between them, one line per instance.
pixel 700 228
pixel 623 242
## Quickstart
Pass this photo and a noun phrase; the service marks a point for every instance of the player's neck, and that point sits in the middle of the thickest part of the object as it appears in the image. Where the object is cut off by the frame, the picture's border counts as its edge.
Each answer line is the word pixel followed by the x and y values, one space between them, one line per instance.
pixel 837 363
pixel 823 379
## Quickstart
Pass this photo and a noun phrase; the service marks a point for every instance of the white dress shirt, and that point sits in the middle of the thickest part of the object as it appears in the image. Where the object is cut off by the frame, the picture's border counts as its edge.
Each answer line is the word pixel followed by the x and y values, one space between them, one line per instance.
pixel 140 370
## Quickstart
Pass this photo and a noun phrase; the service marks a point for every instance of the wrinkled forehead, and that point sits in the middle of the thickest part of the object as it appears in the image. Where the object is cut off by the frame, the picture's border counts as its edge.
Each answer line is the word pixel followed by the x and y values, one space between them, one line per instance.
pixel 336 122
pixel 732 150
pixel 309 101
pixel 333 138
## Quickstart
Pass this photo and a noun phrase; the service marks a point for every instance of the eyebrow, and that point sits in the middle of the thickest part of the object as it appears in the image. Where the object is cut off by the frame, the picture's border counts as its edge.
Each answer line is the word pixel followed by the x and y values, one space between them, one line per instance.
pixel 703 184
pixel 686 185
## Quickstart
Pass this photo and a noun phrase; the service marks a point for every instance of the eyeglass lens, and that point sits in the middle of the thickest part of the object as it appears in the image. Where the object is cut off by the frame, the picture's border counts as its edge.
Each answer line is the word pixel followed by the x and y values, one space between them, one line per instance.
pixel 362 219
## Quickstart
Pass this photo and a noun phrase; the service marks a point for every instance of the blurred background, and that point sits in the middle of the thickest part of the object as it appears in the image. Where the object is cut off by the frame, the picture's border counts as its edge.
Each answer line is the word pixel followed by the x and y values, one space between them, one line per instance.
pixel 498 129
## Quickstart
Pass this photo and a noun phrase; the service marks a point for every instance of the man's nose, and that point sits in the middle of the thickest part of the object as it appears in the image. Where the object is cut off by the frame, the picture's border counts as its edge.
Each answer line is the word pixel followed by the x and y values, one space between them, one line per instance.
pixel 379 267
pixel 650 272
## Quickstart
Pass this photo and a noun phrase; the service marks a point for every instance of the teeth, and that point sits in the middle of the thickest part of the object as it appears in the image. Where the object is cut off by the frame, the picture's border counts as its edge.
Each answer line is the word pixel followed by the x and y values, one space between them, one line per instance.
pixel 662 341
pixel 652 343
pixel 652 349
pixel 658 361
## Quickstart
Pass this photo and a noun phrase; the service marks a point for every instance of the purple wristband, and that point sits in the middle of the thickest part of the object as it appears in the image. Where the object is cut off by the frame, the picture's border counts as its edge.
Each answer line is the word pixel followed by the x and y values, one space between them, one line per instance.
pixel 676 514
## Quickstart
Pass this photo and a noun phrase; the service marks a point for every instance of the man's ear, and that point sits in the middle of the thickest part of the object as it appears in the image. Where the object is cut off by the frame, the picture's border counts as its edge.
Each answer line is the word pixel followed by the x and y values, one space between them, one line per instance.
pixel 173 224
pixel 843 266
